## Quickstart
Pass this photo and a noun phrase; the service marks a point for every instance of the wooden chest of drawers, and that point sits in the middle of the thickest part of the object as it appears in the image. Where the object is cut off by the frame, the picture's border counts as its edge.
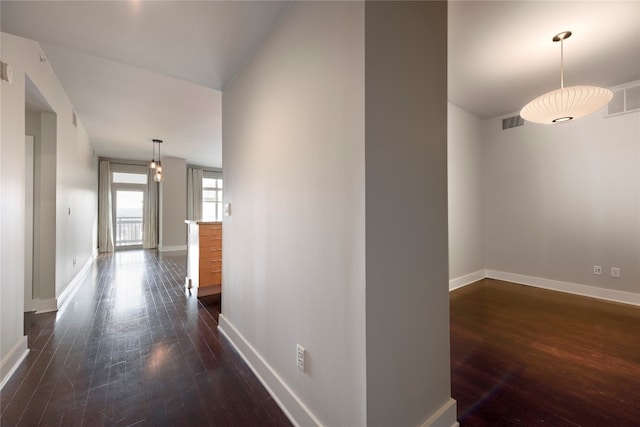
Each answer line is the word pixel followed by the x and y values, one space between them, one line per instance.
pixel 204 258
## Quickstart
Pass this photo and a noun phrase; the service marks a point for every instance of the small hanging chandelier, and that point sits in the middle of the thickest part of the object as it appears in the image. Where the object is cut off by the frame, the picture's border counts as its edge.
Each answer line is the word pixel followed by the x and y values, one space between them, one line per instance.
pixel 153 164
pixel 159 175
pixel 567 103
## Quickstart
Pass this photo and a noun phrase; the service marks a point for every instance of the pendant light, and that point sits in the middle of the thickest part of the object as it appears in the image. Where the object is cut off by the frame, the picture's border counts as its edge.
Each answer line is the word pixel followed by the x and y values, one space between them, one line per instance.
pixel 567 103
pixel 159 175
pixel 152 163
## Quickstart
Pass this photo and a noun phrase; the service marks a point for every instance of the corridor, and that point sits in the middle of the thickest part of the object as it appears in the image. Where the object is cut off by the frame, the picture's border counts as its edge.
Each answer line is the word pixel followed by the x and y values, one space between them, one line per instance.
pixel 131 348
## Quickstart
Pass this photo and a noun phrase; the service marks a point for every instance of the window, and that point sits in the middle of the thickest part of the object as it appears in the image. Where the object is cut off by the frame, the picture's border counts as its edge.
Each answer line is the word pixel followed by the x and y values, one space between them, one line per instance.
pixel 129 178
pixel 211 198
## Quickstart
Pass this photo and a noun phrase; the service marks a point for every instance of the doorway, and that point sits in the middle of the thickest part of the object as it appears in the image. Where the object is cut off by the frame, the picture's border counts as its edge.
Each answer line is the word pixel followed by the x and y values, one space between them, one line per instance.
pixel 28 221
pixel 128 193
pixel 128 205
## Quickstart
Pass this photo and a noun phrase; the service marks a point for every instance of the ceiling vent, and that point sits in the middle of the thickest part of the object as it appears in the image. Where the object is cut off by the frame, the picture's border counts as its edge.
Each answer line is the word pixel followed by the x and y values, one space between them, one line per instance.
pixel 512 122
pixel 626 99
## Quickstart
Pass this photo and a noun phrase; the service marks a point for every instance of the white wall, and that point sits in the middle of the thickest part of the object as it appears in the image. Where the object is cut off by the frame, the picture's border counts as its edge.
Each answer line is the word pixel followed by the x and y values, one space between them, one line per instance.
pixel 76 186
pixel 173 205
pixel 76 190
pixel 293 147
pixel 560 199
pixel 408 375
pixel 12 342
pixel 350 263
pixel 464 161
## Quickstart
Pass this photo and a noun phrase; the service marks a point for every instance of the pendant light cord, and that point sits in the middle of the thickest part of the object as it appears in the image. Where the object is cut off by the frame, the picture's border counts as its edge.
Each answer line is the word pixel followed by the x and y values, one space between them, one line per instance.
pixel 562 64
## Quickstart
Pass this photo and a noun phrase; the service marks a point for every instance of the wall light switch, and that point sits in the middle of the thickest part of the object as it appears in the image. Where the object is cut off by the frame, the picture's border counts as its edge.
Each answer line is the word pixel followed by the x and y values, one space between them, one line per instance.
pixel 227 209
pixel 300 353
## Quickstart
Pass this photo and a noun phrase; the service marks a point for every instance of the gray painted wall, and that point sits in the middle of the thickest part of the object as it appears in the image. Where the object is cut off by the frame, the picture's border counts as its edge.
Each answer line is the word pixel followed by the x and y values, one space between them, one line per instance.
pixel 464 159
pixel 559 199
pixel 42 125
pixel 293 148
pixel 173 205
pixel 544 204
pixel 338 241
pixel 406 212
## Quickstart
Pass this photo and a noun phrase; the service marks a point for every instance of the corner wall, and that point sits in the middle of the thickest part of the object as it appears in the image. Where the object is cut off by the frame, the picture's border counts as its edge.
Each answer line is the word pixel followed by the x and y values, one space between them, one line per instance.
pixel 465 192
pixel 561 199
pixel 337 241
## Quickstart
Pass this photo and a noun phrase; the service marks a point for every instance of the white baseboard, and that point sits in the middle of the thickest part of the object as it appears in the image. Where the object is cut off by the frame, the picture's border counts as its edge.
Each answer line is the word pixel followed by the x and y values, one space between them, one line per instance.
pixel 290 404
pixel 172 248
pixel 443 417
pixel 572 288
pixel 74 285
pixel 43 305
pixel 12 360
pixel 467 279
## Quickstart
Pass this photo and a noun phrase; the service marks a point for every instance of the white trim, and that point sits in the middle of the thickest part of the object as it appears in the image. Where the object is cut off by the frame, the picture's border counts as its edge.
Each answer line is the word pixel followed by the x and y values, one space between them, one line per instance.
pixel 467 279
pixel 290 404
pixel 172 248
pixel 572 288
pixel 73 286
pixel 12 361
pixel 443 417
pixel 554 285
pixel 43 305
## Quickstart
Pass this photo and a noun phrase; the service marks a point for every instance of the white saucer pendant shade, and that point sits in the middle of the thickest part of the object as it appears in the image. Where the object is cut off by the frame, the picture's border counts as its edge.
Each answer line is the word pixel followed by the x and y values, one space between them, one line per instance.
pixel 566 104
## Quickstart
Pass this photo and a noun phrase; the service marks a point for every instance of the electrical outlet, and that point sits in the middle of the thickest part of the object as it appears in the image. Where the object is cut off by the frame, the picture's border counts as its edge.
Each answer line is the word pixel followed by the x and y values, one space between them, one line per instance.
pixel 301 354
pixel 597 269
pixel 615 272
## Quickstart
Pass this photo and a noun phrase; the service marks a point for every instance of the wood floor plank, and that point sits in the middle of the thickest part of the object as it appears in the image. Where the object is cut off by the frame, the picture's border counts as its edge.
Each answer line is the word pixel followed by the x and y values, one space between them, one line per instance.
pixel 131 348
pixel 523 356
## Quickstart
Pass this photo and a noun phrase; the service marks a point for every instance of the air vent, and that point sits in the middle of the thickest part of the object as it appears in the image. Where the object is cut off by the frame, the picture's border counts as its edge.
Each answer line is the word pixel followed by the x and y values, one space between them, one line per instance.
pixel 626 99
pixel 512 122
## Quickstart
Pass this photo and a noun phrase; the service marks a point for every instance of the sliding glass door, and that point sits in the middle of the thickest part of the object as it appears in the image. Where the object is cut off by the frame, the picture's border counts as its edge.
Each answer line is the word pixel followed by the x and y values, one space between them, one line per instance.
pixel 128 190
pixel 128 218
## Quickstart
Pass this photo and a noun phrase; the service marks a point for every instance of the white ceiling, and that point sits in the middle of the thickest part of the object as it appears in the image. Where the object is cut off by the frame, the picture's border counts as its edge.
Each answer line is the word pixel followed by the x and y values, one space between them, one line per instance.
pixel 136 70
pixel 501 54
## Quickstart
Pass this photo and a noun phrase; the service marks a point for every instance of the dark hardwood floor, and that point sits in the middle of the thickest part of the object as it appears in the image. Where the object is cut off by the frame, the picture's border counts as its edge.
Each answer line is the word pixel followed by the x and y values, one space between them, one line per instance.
pixel 213 304
pixel 522 356
pixel 130 348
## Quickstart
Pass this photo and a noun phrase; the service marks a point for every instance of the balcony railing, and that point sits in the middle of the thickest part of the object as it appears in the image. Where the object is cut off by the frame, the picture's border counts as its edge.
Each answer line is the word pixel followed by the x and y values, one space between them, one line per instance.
pixel 128 231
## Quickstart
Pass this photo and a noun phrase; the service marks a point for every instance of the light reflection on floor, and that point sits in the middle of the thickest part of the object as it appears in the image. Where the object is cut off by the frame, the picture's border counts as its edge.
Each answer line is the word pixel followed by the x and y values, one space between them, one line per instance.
pixel 128 285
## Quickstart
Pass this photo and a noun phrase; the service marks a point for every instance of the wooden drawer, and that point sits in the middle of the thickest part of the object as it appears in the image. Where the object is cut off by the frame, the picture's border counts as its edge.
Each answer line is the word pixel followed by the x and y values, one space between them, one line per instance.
pixel 210 277
pixel 208 264
pixel 210 253
pixel 211 230
pixel 210 241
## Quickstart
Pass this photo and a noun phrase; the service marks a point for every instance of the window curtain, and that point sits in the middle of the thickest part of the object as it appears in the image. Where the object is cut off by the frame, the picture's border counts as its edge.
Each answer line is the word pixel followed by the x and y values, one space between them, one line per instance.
pixel 194 194
pixel 150 214
pixel 105 217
